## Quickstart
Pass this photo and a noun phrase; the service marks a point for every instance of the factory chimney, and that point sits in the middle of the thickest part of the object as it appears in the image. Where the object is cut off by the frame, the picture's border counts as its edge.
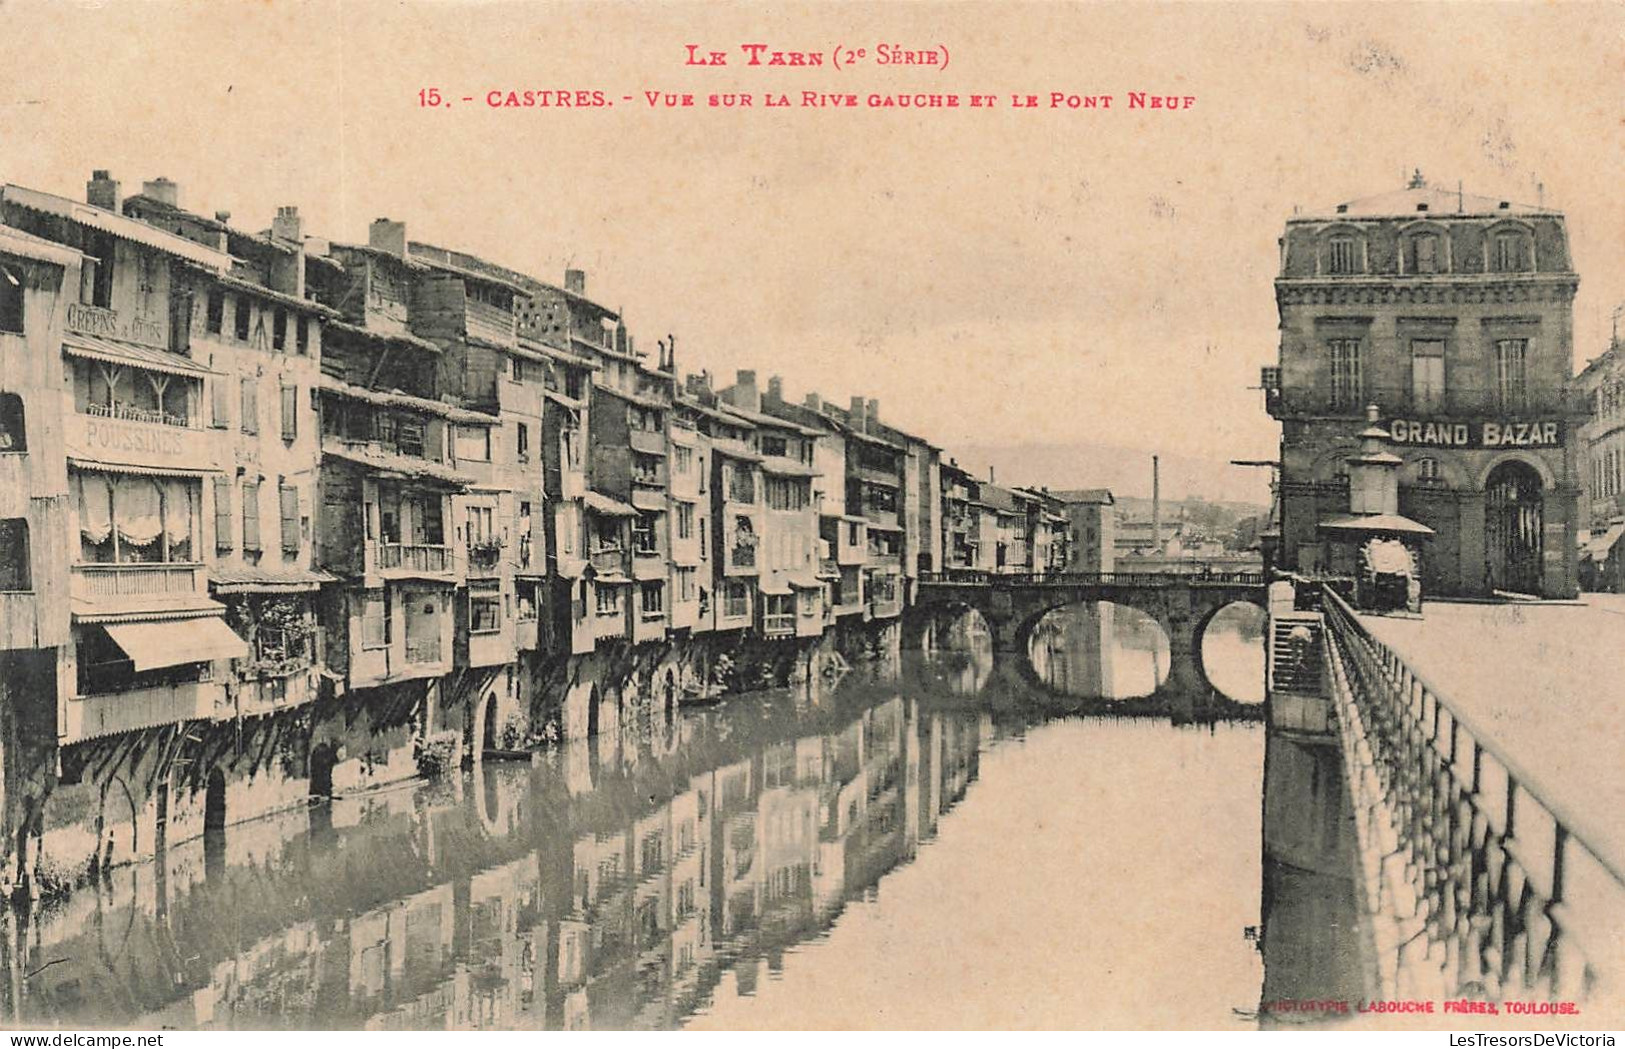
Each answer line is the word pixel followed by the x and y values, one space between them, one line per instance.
pixel 1156 506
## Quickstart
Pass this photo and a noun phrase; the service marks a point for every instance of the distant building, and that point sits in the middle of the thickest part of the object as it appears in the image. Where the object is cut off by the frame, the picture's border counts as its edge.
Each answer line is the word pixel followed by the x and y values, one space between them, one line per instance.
pixel 1602 470
pixel 1453 314
pixel 1091 515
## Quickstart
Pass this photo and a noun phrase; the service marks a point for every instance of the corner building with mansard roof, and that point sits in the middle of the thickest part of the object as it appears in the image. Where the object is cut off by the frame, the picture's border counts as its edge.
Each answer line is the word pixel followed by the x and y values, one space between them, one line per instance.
pixel 1453 314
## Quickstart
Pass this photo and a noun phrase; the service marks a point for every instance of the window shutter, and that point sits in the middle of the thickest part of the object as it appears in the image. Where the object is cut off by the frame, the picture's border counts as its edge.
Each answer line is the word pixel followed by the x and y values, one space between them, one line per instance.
pixel 251 405
pixel 251 515
pixel 221 401
pixel 290 518
pixel 290 412
pixel 222 514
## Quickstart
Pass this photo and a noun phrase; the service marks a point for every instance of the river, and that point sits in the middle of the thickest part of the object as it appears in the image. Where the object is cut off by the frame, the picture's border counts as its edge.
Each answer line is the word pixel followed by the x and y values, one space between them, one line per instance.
pixel 931 845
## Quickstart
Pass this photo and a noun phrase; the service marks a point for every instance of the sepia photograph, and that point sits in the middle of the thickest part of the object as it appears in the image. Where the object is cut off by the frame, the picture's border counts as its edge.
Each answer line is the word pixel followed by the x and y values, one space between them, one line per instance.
pixel 537 515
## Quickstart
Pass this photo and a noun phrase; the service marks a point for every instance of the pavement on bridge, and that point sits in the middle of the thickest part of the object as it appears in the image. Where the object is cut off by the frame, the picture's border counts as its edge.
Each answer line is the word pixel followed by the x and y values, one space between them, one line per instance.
pixel 1546 681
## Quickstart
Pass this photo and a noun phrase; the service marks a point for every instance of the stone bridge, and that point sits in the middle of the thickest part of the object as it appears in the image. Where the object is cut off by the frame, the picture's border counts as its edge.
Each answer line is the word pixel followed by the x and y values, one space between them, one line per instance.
pixel 1182 604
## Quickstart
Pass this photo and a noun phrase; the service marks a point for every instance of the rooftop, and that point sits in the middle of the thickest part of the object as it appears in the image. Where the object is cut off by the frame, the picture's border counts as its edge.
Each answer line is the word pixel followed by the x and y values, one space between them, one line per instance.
pixel 1420 198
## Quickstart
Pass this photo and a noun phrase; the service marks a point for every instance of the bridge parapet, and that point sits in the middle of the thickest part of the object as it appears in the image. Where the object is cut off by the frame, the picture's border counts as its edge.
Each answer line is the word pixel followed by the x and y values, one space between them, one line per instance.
pixel 1474 881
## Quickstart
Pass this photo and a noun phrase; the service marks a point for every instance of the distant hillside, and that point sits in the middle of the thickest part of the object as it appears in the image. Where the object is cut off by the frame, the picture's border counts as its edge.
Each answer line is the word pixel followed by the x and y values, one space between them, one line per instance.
pixel 1126 471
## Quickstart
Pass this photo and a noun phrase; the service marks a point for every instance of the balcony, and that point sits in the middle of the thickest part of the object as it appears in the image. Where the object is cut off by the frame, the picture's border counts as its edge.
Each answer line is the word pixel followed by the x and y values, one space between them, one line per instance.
pixel 269 692
pixel 778 624
pixel 122 583
pixel 485 557
pixel 87 717
pixel 652 442
pixel 1298 401
pixel 609 560
pixel 411 560
pixel 525 633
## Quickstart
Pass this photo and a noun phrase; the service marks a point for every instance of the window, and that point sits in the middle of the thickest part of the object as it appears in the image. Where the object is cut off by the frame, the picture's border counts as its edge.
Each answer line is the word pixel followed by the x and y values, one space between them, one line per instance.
pixel 288 497
pixel 14 560
pixel 704 553
pixel 290 412
pixel 1427 470
pixel 686 584
pixel 96 272
pixel 1427 253
pixel 653 597
pixel 516 369
pixel 240 322
pixel 785 494
pixel 685 520
pixel 279 329
pixel 251 405
pixel 13 424
pixel 854 535
pixel 644 540
pixel 1348 383
pixel 11 299
pixel 136 520
pixel 302 344
pixel 223 539
pixel 484 613
pixel 375 619
pixel 1512 372
pixel 522 442
pixel 474 443
pixel 735 599
pixel 645 468
pixel 608 600
pixel 1427 374
pixel 1343 256
pixel 480 525
pixel 215 312
pixel 682 459
pixel 1510 256
pixel 251 516
pixel 775 444
pixel 702 475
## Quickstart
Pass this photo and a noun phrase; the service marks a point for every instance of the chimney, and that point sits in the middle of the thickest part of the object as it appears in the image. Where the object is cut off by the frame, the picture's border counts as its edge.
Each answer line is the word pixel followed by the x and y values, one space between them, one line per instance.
pixel 671 353
pixel 387 235
pixel 745 393
pixel 620 337
pixel 1156 505
pixel 162 189
pixel 102 190
pixel 815 402
pixel 575 281
pixel 992 478
pixel 872 417
pixel 223 217
pixel 286 225
pixel 859 414
pixel 775 390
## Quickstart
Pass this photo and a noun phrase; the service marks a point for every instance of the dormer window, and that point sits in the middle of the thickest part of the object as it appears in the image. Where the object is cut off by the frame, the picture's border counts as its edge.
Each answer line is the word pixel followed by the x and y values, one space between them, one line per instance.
pixel 1511 252
pixel 1344 256
pixel 1427 253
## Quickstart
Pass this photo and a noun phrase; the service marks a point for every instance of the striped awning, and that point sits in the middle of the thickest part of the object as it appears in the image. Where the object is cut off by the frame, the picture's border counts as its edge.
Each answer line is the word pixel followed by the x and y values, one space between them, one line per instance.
pixel 117 351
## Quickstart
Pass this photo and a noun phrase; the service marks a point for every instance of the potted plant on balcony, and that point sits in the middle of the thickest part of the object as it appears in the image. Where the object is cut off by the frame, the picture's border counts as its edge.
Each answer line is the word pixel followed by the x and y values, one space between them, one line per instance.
pixel 484 553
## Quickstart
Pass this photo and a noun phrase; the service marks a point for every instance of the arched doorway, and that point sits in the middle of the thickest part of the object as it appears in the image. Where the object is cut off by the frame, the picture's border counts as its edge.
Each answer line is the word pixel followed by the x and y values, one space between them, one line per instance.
pixel 490 741
pixel 1513 528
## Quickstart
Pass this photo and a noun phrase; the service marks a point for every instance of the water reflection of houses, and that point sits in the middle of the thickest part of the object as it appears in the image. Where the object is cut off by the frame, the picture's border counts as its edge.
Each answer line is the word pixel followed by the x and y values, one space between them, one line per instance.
pixel 508 901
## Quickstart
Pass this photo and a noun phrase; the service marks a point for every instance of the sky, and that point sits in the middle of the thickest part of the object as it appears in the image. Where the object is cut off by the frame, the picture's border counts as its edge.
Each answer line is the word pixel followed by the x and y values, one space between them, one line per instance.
pixel 992 275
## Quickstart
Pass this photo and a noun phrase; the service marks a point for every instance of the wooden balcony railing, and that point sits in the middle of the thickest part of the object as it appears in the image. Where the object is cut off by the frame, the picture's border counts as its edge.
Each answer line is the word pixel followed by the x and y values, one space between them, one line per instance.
pixel 416 557
pixel 109 582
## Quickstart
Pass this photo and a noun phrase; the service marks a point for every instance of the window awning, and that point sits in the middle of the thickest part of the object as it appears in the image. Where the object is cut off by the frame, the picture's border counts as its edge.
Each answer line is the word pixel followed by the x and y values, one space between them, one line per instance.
pixel 599 503
pixel 154 645
pixel 117 351
pixel 646 499
pixel 774 586
pixel 1600 546
pixel 806 581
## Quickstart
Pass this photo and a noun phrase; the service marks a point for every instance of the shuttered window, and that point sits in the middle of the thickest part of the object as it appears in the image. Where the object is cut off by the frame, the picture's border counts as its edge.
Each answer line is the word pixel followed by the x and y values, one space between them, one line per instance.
pixel 289 496
pixel 251 515
pixel 221 402
pixel 290 412
pixel 251 405
pixel 223 539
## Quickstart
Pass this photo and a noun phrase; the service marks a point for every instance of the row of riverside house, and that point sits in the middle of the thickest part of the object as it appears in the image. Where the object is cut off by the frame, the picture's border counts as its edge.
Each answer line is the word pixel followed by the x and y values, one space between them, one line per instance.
pixel 282 517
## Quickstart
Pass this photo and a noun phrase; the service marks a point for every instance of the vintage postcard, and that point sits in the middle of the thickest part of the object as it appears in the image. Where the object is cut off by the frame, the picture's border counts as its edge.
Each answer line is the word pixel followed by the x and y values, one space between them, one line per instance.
pixel 524 515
